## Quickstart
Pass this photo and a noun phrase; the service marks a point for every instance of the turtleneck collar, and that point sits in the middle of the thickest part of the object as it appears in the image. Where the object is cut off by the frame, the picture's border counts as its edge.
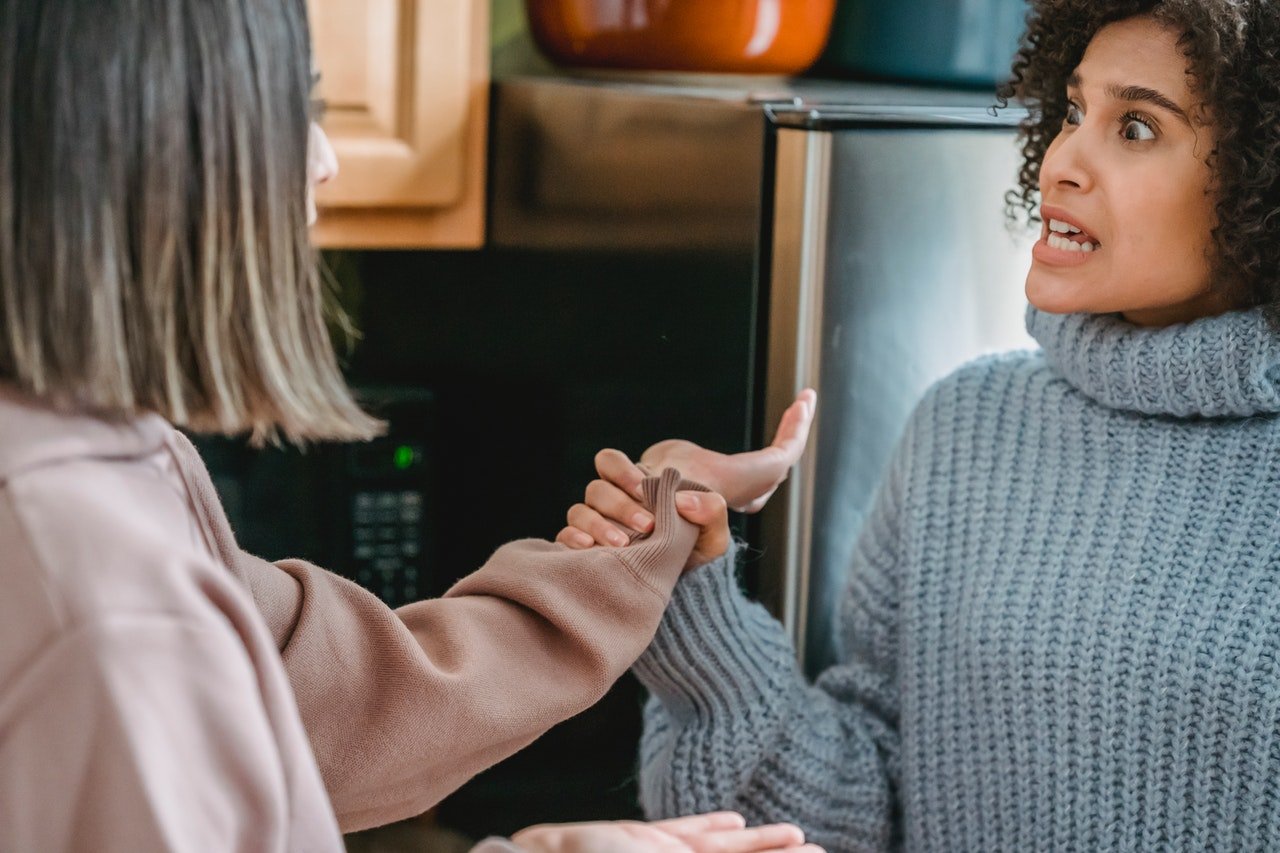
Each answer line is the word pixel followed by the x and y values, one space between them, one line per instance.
pixel 1223 366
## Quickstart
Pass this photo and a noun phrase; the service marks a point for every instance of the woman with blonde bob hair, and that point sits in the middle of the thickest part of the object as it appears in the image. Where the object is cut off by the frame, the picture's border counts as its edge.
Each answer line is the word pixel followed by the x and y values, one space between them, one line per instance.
pixel 160 689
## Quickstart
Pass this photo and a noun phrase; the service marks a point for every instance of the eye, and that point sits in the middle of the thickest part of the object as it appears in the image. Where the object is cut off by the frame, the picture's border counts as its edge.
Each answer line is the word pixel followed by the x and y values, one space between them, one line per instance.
pixel 1135 128
pixel 1075 115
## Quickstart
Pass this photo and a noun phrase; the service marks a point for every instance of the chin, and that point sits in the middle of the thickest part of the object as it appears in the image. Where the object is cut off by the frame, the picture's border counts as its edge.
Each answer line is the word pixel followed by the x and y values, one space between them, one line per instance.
pixel 1053 296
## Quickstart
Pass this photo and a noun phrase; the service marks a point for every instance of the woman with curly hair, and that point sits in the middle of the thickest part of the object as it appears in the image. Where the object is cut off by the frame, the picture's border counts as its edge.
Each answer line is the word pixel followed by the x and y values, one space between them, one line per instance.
pixel 1062 628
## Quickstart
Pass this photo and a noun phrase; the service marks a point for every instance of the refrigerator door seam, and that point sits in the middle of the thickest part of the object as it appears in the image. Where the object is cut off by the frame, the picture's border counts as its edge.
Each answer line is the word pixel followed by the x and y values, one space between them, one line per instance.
pixel 798 281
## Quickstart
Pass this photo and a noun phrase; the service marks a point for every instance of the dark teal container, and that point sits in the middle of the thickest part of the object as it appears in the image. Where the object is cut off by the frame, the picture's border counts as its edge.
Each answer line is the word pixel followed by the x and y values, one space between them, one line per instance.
pixel 950 42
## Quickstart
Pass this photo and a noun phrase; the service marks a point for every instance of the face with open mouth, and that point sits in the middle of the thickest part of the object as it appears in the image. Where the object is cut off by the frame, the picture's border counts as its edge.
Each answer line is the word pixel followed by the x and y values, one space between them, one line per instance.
pixel 1128 207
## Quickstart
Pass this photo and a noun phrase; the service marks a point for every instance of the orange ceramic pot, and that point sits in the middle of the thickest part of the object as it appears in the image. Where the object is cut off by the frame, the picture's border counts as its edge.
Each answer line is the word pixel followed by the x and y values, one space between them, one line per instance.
pixel 757 36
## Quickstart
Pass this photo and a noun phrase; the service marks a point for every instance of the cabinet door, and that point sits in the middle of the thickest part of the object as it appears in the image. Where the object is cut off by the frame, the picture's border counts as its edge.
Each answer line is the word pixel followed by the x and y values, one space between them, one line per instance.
pixel 407 86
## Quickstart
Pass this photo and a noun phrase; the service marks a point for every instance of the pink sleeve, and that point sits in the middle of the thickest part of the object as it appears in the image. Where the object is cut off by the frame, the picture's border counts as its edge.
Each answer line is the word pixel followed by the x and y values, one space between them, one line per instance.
pixel 402 707
pixel 141 733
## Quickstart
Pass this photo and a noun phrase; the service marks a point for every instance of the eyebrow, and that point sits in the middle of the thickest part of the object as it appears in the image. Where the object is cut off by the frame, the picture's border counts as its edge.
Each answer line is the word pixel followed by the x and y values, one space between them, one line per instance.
pixel 1137 94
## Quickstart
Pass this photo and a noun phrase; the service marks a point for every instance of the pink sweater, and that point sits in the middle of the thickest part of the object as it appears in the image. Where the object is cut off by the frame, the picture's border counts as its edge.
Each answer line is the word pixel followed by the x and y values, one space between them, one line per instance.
pixel 143 700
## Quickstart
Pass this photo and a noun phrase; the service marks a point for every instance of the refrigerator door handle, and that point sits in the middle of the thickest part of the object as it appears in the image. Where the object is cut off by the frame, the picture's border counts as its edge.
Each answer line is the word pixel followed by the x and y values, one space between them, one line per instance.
pixel 797 282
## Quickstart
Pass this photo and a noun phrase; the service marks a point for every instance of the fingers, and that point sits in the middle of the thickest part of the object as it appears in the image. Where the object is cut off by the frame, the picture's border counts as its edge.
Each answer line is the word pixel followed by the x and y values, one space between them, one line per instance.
pixel 702 823
pixel 600 530
pixel 726 832
pixel 616 467
pixel 608 517
pixel 575 538
pixel 758 839
pixel 613 503
pixel 719 834
pixel 710 512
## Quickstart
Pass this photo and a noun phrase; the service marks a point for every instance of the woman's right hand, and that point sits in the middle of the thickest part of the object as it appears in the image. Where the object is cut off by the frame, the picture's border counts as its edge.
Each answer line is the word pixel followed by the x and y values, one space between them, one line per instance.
pixel 722 832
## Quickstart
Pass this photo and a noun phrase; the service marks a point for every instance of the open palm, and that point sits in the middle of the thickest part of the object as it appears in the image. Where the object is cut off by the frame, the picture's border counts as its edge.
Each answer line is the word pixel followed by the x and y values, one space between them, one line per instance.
pixel 747 480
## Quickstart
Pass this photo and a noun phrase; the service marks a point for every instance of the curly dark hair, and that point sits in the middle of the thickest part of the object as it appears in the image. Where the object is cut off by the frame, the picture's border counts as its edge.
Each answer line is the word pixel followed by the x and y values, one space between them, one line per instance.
pixel 1233 53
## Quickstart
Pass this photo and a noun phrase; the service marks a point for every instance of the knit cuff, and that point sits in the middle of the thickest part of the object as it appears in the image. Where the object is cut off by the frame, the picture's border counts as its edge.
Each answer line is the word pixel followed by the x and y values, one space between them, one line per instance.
pixel 657 558
pixel 714 648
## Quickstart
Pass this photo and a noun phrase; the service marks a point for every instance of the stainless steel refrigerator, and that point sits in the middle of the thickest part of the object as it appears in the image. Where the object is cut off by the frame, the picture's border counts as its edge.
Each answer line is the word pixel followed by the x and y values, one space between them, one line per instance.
pixel 856 230
pixel 890 265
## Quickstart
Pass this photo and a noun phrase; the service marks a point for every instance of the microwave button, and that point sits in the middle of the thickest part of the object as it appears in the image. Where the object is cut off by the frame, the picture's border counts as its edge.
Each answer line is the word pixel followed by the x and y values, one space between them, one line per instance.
pixel 410 548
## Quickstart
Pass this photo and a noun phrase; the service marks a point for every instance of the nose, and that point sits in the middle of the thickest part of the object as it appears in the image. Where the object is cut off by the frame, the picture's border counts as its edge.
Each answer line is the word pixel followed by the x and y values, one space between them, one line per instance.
pixel 322 162
pixel 1066 162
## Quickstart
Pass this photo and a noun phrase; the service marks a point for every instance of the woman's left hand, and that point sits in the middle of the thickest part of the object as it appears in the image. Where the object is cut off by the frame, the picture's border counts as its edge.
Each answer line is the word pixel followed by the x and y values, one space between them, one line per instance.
pixel 722 832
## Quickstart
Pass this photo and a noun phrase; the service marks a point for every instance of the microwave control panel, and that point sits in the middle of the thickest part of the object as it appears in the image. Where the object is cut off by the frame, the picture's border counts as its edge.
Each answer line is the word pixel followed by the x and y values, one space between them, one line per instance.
pixel 388 520
pixel 387 533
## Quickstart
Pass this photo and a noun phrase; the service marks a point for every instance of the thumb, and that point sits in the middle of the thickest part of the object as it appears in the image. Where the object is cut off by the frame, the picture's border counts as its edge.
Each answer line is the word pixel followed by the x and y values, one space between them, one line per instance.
pixel 710 512
pixel 758 473
pixel 793 430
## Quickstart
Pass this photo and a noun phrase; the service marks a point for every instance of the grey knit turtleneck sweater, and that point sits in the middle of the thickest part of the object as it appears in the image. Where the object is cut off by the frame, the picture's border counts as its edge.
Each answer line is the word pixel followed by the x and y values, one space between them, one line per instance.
pixel 1062 630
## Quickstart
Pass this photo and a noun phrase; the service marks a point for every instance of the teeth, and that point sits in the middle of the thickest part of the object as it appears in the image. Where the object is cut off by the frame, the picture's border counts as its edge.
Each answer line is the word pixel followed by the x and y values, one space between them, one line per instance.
pixel 1062 227
pixel 1063 243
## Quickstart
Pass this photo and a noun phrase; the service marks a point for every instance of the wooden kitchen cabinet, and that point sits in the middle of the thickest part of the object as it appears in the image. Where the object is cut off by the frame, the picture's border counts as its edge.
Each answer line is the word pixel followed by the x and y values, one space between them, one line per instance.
pixel 406 83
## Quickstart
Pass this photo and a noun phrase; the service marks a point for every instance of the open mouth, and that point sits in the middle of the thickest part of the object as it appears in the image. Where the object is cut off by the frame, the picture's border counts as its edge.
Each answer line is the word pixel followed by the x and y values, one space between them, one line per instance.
pixel 1069 238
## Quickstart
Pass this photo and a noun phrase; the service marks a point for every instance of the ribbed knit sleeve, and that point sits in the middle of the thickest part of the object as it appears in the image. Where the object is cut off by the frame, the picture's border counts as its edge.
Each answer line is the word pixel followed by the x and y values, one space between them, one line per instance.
pixel 733 723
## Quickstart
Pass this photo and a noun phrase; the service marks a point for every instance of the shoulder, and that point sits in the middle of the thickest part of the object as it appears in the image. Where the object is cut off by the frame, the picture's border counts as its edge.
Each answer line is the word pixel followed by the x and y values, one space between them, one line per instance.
pixel 991 381
pixel 89 537
pixel 993 372
pixel 976 412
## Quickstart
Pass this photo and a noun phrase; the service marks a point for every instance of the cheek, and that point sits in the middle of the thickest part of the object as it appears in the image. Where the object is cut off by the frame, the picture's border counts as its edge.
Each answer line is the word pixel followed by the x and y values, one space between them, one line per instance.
pixel 1165 259
pixel 1169 223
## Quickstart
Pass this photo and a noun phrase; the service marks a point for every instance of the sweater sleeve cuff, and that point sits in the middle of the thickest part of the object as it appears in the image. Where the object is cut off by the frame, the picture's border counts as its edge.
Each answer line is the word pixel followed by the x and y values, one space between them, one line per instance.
pixel 659 557
pixel 715 648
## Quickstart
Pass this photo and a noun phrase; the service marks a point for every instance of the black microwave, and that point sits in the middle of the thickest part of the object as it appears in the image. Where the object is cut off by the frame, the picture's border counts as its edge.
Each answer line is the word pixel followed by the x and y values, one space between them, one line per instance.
pixel 362 510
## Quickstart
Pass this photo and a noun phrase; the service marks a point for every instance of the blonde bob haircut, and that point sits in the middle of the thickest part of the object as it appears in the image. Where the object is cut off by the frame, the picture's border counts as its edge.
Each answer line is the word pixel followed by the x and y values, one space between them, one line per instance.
pixel 154 254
